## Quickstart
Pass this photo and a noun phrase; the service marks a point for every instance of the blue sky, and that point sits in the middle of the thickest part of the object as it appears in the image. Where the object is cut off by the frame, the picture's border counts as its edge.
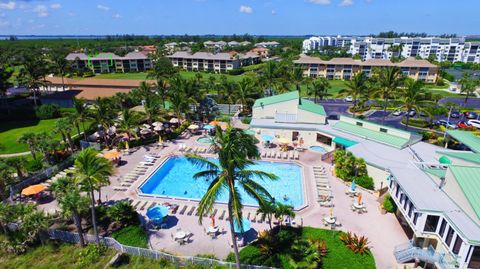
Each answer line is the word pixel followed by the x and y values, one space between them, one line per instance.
pixel 275 17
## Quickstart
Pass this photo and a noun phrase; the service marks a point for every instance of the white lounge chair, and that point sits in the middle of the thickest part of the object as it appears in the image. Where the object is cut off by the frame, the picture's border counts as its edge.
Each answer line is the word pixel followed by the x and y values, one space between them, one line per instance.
pixel 285 155
pixel 280 155
pixel 295 155
pixel 264 153
pixel 119 188
pixel 146 164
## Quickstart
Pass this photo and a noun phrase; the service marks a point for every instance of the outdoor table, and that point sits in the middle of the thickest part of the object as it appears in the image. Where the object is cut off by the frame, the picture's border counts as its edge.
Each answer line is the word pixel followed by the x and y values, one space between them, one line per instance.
pixel 358 206
pixel 352 192
pixel 212 230
pixel 330 220
pixel 180 235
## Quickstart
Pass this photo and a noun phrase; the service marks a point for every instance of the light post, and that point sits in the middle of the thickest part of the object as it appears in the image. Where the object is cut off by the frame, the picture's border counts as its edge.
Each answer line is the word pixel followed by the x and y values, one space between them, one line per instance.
pixel 448 120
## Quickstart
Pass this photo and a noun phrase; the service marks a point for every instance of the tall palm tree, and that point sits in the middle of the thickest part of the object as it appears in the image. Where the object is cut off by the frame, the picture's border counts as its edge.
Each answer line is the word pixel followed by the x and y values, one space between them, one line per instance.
pixel 319 88
pixel 30 139
pixel 296 77
pixel 388 79
pixel 229 91
pixel 92 172
pixel 355 88
pixel 32 75
pixel 162 72
pixel 467 85
pixel 60 64
pixel 63 127
pixel 269 75
pixel 267 212
pixel 282 211
pixel 18 163
pixel 246 94
pixel 411 96
pixel 71 202
pixel 235 153
pixel 129 120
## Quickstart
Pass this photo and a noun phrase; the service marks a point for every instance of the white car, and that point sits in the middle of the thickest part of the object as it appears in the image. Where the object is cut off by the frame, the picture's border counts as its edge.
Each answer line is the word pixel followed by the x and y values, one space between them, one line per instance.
pixel 474 123
pixel 349 99
pixel 397 113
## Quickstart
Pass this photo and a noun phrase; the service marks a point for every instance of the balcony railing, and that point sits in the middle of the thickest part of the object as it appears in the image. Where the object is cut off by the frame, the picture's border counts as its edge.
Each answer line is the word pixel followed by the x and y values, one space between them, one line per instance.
pixel 408 252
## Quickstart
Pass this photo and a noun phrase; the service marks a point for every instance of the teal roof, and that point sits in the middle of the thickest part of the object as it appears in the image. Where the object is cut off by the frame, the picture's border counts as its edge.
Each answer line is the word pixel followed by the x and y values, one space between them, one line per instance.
pixel 310 106
pixel 343 141
pixel 378 136
pixel 469 181
pixel 467 138
pixel 379 125
pixel 444 160
pixel 440 173
pixel 463 155
pixel 276 99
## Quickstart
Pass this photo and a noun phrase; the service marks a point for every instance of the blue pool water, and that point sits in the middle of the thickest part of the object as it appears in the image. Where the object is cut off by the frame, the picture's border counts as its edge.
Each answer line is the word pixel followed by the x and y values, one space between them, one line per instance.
pixel 175 179
pixel 319 149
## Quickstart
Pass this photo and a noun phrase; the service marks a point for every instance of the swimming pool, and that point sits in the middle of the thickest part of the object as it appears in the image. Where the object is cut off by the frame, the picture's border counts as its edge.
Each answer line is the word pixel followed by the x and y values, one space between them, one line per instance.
pixel 174 178
pixel 318 149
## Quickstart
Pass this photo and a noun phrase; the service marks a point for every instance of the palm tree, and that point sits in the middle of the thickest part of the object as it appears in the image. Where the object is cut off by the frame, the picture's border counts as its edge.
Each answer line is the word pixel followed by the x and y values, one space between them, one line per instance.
pixel 388 79
pixel 63 127
pixel 162 72
pixel 282 211
pixel 319 88
pixel 32 75
pixel 267 211
pixel 46 145
pixel 355 88
pixel 92 172
pixel 30 139
pixel 71 202
pixel 60 64
pixel 247 93
pixel 18 163
pixel 229 91
pixel 6 178
pixel 79 116
pixel 269 75
pixel 411 96
pixel 296 77
pixel 467 85
pixel 129 121
pixel 236 151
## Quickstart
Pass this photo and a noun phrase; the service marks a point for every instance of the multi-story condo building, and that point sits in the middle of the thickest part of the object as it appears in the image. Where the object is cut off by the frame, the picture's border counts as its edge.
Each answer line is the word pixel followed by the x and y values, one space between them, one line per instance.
pixel 345 68
pixel 268 44
pixel 213 62
pixel 110 62
pixel 443 49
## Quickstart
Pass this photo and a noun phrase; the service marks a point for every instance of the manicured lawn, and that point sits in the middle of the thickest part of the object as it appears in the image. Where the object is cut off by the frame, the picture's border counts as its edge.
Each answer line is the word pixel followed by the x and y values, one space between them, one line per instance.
pixel 133 236
pixel 335 87
pixel 139 75
pixel 338 256
pixel 184 74
pixel 444 93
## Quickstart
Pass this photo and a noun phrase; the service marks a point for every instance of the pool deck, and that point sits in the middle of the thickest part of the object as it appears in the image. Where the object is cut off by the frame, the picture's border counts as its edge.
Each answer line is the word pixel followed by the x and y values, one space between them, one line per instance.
pixel 383 231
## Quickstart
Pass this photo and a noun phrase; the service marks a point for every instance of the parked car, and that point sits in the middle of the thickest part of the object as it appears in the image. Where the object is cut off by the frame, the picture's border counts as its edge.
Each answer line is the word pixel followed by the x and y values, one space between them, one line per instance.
pixel 397 112
pixel 349 99
pixel 474 123
pixel 447 124
pixel 463 124
pixel 455 114
pixel 470 115
pixel 412 113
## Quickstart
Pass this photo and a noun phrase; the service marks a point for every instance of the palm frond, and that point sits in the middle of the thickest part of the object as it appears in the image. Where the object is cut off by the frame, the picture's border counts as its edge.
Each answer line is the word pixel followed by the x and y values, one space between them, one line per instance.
pixel 215 189
pixel 202 162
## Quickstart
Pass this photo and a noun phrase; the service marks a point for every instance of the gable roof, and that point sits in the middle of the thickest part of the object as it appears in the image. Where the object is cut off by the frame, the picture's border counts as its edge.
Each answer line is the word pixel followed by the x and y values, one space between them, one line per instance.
pixel 310 106
pixel 279 98
pixel 377 136
pixel 467 138
pixel 440 173
pixel 463 155
pixel 469 182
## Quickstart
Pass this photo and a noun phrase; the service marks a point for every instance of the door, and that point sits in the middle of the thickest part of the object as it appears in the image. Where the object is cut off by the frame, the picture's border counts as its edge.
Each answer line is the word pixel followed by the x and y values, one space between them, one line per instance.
pixel 294 136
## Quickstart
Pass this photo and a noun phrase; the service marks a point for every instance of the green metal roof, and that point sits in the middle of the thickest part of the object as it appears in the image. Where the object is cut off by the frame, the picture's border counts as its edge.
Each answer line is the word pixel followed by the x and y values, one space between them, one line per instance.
pixel 469 181
pixel 310 106
pixel 343 141
pixel 463 155
pixel 467 138
pixel 377 124
pixel 444 160
pixel 440 173
pixel 381 137
pixel 276 99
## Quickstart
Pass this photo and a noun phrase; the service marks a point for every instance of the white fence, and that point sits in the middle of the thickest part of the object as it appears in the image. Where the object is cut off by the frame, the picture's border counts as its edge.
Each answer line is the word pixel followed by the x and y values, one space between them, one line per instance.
pixel 152 254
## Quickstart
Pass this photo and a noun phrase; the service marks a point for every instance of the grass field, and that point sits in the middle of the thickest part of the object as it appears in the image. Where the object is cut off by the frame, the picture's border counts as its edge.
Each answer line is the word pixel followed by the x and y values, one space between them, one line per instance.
pixel 184 74
pixel 11 131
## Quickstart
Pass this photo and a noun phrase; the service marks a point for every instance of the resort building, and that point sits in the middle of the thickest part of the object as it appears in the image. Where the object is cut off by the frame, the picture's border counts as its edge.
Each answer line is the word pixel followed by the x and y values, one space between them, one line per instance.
pixel 109 62
pixel 262 52
pixel 345 68
pixel 442 49
pixel 268 44
pixel 436 190
pixel 213 62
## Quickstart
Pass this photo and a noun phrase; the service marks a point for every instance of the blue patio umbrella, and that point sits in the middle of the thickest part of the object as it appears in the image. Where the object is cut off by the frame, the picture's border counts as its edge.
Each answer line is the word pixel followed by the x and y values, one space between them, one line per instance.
pixel 157 213
pixel 246 226
pixel 353 185
pixel 208 127
pixel 267 137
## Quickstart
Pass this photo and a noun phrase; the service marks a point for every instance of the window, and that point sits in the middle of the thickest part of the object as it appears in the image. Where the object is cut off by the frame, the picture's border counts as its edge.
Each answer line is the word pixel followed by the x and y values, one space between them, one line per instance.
pixel 450 234
pixel 431 223
pixel 457 245
pixel 415 218
pixel 442 228
pixel 359 123
pixel 410 210
pixel 383 130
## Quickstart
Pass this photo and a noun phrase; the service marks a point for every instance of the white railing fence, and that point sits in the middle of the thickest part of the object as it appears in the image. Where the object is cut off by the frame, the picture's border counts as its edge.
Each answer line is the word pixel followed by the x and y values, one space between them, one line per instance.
pixel 149 253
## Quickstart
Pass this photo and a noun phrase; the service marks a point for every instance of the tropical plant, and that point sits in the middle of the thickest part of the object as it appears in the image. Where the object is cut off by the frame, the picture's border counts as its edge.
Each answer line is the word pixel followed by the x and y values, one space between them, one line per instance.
pixel 267 211
pixel 129 120
pixel 296 77
pixel 412 97
pixel 68 196
pixel 92 172
pixel 80 116
pixel 18 163
pixel 304 254
pixel 236 152
pixel 6 178
pixel 123 213
pixel 358 244
pixel 468 85
pixel 46 145
pixel 60 63
pixel 269 76
pixel 47 111
pixel 32 74
pixel 321 246
pixel 319 88
pixel 388 80
pixel 282 211
pixel 247 93
pixel 64 127
pixel 355 88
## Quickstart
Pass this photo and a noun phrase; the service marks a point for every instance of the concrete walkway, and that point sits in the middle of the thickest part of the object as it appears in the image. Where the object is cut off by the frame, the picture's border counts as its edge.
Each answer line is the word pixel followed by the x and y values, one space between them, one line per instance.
pixel 14 154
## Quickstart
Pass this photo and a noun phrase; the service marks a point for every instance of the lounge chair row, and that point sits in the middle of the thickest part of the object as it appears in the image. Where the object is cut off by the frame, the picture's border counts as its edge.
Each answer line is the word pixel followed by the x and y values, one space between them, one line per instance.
pixel 60 174
pixel 324 190
pixel 196 150
pixel 140 170
pixel 292 155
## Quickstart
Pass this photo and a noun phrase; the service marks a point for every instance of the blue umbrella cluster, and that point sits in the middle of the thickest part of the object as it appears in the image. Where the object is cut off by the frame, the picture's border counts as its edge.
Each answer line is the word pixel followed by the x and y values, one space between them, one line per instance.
pixel 267 137
pixel 157 213
pixel 246 226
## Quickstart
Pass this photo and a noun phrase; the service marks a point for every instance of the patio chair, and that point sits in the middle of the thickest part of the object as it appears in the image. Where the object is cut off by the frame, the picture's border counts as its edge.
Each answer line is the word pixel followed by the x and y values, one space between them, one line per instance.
pixel 273 154
pixel 296 155
pixel 280 155
pixel 290 155
pixel 285 155
pixel 264 153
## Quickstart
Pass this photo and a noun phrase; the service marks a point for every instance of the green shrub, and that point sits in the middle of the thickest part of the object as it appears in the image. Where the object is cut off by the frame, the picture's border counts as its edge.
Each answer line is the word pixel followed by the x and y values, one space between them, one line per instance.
pixel 246 120
pixel 416 122
pixel 90 254
pixel 389 205
pixel 34 165
pixel 123 213
pixel 133 236
pixel 235 72
pixel 365 181
pixel 48 111
pixel 88 74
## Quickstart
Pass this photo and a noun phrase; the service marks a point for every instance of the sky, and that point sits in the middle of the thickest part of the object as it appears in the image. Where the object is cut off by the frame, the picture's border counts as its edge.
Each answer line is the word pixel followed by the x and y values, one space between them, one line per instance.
pixel 259 17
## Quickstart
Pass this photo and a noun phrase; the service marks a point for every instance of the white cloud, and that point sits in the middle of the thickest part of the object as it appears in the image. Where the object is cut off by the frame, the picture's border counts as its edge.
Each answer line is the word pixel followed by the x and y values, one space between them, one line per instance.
pixel 55 6
pixel 346 3
pixel 102 7
pixel 117 16
pixel 8 5
pixel 274 12
pixel 41 10
pixel 319 2
pixel 246 9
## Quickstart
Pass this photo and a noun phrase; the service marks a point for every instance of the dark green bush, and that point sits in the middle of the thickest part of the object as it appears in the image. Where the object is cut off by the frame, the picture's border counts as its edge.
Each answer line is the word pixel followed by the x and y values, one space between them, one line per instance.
pixel 246 120
pixel 123 213
pixel 389 205
pixel 416 122
pixel 48 111
pixel 34 165
pixel 235 72
pixel 366 182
